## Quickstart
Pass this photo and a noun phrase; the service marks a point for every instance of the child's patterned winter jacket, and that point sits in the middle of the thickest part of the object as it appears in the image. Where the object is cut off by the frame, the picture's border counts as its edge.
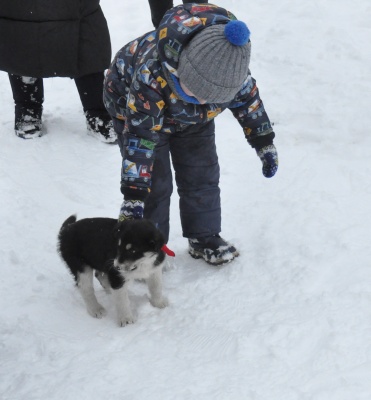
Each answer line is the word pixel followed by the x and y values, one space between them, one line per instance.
pixel 143 95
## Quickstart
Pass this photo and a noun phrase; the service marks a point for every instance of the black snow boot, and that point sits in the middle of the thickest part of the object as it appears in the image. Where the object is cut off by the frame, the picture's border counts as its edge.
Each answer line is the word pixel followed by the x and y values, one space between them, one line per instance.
pixel 213 249
pixel 28 123
pixel 101 127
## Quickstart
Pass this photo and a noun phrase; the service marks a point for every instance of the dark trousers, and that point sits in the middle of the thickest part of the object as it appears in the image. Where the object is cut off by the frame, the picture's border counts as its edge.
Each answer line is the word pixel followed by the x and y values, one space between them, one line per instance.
pixel 159 8
pixel 195 162
pixel 28 93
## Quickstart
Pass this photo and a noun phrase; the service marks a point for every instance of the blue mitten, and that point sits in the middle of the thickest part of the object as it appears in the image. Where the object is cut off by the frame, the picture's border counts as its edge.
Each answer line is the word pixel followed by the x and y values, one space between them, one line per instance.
pixel 269 158
pixel 131 209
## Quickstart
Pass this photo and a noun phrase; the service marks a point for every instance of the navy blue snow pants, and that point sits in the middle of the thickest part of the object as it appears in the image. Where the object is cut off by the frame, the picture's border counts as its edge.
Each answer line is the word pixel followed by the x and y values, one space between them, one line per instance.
pixel 195 162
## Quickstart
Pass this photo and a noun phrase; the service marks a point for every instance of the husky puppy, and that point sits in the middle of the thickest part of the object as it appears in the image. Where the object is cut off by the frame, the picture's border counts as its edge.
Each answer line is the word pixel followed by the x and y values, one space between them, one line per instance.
pixel 117 252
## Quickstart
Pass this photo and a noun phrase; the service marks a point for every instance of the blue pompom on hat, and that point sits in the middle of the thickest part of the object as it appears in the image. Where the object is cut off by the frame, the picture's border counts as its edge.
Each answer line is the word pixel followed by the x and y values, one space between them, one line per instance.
pixel 215 63
pixel 237 33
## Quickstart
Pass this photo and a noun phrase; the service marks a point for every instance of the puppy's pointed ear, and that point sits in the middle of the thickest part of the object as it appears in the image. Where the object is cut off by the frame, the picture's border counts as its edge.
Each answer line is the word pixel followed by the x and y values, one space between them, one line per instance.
pixel 118 229
pixel 121 227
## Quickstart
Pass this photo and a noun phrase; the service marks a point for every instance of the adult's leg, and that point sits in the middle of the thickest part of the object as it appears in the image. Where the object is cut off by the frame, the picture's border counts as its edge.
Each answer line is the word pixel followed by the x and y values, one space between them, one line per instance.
pixel 196 166
pixel 90 88
pixel 27 92
pixel 159 8
pixel 28 95
pixel 157 204
pixel 99 123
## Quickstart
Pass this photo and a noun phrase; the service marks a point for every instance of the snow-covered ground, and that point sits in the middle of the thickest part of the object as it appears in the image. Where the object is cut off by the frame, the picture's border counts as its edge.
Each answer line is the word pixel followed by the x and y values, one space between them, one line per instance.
pixel 290 318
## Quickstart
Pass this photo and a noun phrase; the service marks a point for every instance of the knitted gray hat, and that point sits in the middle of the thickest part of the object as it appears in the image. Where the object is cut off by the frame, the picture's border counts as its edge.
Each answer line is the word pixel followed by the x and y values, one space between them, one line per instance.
pixel 215 63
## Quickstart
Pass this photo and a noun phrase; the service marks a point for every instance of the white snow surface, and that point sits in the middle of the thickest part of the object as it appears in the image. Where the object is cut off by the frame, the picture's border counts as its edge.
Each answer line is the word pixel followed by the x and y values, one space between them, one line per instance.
pixel 290 318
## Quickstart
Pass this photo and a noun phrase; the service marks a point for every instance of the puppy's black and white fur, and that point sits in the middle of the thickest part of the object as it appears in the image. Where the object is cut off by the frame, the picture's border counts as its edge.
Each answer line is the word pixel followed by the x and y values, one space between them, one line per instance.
pixel 118 253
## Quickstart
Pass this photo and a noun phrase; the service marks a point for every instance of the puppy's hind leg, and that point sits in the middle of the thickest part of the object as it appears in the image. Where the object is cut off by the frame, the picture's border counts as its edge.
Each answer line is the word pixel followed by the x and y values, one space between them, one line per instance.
pixel 155 289
pixel 85 285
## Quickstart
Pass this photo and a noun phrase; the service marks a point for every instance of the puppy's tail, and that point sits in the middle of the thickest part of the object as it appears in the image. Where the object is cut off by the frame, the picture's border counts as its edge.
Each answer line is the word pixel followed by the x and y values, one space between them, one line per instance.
pixel 63 231
pixel 66 245
pixel 70 220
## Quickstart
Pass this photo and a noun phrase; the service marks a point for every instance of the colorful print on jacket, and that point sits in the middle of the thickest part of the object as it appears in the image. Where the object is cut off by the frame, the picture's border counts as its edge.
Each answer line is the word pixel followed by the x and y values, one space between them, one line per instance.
pixel 143 95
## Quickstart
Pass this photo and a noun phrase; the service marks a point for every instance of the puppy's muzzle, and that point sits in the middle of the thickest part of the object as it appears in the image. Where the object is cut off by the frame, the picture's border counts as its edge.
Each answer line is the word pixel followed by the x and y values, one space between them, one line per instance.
pixel 159 259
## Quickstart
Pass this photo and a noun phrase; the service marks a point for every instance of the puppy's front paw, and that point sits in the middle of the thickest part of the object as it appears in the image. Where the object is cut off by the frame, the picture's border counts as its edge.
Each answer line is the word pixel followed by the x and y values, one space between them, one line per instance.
pixel 126 320
pixel 159 303
pixel 97 312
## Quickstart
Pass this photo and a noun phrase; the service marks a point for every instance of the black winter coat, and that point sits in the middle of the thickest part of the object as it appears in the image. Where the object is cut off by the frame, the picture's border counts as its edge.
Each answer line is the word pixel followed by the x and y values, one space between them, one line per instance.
pixel 45 38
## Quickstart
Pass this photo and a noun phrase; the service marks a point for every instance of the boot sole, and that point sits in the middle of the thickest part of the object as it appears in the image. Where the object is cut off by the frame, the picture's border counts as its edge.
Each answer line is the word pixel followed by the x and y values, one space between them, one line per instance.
pixel 197 255
pixel 31 135
pixel 102 138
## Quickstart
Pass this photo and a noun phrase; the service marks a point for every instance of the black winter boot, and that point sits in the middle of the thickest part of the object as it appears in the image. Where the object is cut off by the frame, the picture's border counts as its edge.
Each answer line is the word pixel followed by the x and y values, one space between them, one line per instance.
pixel 28 95
pixel 101 127
pixel 213 249
pixel 28 124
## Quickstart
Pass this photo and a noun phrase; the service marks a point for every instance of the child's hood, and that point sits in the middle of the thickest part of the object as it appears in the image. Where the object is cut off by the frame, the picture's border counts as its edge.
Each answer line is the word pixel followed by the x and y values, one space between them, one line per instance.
pixel 180 24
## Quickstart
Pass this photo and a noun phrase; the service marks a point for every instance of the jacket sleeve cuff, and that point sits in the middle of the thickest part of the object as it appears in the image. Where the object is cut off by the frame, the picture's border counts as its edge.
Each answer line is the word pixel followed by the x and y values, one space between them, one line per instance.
pixel 134 193
pixel 261 141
